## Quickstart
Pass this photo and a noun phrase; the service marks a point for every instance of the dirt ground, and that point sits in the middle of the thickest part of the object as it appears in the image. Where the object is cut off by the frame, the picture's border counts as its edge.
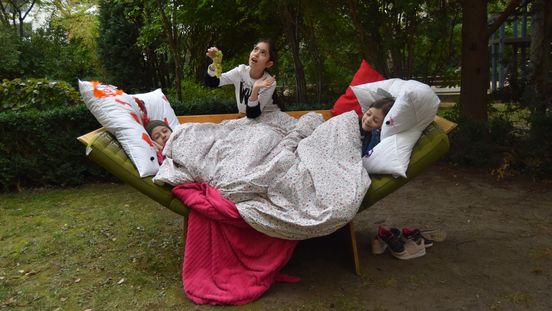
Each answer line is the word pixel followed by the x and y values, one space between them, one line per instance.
pixel 497 255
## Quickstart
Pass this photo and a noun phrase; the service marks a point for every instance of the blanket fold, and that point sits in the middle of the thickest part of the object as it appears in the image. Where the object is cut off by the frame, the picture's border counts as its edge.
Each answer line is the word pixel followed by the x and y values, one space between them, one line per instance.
pixel 226 261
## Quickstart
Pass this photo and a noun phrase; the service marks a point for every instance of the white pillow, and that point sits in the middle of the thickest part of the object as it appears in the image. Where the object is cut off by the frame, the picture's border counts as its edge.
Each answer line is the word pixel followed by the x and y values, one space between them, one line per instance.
pixel 392 154
pixel 366 97
pixel 415 106
pixel 120 115
pixel 414 109
pixel 157 107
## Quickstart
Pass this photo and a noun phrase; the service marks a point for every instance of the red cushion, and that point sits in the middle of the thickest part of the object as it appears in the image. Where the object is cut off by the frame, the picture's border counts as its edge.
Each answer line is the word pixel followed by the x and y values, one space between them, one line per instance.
pixel 348 101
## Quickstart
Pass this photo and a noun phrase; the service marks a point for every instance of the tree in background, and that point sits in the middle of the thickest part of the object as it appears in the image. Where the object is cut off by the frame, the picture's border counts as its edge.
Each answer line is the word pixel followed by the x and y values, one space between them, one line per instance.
pixel 9 53
pixel 14 12
pixel 121 57
pixel 541 56
pixel 475 57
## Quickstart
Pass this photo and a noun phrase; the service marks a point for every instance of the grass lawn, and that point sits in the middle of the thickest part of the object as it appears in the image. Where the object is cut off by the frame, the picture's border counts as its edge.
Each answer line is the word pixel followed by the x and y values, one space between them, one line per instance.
pixel 100 247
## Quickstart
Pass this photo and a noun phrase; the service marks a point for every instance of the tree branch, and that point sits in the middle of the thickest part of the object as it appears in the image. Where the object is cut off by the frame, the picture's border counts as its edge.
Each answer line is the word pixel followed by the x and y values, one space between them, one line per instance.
pixel 510 9
pixel 29 10
pixel 4 15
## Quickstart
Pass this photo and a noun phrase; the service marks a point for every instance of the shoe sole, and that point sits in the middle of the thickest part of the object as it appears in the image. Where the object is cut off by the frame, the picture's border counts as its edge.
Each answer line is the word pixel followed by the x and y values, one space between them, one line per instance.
pixel 436 235
pixel 412 256
pixel 412 250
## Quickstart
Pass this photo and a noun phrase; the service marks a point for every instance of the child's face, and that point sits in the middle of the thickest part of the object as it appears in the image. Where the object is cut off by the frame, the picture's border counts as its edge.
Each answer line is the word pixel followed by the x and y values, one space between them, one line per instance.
pixel 372 119
pixel 260 56
pixel 160 134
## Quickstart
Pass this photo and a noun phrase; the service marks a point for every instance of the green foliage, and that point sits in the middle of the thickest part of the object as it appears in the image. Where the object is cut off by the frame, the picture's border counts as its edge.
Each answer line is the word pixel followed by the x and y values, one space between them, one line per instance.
pixel 192 90
pixel 39 148
pixel 538 149
pixel 206 105
pixel 51 54
pixel 470 144
pixel 483 145
pixel 9 52
pixel 36 94
pixel 117 46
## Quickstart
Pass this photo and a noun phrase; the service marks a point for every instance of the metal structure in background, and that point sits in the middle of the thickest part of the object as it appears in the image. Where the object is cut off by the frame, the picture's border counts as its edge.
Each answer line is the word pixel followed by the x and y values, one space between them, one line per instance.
pixel 504 65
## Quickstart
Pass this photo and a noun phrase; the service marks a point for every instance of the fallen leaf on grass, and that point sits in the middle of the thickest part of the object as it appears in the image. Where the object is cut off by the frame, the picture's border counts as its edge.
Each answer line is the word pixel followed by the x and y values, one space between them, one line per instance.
pixel 77 280
pixel 31 273
pixel 121 281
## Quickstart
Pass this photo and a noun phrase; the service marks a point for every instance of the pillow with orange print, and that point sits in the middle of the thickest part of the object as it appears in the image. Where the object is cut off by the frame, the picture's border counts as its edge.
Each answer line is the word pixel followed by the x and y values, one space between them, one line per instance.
pixel 157 107
pixel 120 114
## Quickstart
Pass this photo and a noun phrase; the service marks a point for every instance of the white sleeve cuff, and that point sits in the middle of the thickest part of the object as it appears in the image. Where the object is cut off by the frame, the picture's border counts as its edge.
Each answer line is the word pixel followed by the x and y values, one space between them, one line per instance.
pixel 210 72
pixel 253 103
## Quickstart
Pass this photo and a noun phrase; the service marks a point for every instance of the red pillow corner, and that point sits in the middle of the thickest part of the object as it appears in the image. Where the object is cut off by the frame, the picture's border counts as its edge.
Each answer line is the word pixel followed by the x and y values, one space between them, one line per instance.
pixel 348 101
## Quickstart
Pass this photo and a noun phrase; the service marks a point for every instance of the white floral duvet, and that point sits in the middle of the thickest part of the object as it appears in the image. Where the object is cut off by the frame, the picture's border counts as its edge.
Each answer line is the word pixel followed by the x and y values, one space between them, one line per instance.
pixel 289 178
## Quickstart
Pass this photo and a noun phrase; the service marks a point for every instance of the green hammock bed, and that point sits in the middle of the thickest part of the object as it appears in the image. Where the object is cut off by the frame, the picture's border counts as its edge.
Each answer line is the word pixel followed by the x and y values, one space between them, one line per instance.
pixel 105 150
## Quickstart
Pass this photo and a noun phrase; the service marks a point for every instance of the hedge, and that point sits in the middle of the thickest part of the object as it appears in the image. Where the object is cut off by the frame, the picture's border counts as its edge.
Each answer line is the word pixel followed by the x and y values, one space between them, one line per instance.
pixel 40 148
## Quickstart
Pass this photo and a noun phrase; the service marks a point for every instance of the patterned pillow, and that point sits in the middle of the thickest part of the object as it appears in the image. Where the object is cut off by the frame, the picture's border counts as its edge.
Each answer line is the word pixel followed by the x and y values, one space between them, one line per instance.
pixel 157 107
pixel 348 101
pixel 122 116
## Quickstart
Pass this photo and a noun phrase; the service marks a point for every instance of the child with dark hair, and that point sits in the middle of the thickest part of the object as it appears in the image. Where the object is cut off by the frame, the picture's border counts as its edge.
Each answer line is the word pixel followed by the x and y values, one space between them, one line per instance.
pixel 371 122
pixel 159 132
pixel 253 84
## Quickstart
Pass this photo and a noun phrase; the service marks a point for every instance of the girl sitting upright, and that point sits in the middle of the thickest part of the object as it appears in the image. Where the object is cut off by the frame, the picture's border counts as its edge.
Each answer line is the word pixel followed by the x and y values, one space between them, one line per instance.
pixel 254 86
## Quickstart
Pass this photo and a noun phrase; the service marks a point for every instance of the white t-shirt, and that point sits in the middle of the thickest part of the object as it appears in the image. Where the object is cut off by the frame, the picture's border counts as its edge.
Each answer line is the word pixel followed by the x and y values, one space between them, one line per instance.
pixel 243 85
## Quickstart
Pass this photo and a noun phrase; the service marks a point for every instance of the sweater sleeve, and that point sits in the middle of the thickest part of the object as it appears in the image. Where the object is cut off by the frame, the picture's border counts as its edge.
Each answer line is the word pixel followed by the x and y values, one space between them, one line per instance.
pixel 225 78
pixel 255 108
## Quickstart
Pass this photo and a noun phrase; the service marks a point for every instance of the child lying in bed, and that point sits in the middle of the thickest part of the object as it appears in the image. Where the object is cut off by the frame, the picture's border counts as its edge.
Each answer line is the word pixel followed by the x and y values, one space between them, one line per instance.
pixel 371 122
pixel 159 132
pixel 253 84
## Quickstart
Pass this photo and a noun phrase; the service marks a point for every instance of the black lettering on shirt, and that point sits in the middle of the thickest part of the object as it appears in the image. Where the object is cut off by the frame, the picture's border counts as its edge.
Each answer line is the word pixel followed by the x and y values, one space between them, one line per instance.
pixel 244 94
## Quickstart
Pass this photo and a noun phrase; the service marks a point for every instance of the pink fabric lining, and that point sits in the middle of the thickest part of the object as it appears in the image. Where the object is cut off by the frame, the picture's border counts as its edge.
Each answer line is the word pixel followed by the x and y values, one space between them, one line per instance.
pixel 225 260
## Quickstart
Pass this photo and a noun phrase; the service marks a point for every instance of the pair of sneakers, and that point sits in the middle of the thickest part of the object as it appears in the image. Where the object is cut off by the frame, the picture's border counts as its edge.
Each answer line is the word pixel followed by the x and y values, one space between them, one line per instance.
pixel 406 243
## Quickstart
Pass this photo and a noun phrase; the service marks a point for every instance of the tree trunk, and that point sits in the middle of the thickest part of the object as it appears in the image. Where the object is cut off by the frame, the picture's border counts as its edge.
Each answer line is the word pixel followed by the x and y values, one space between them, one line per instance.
pixel 310 33
pixel 290 23
pixel 541 36
pixel 475 61
pixel 173 38
pixel 372 52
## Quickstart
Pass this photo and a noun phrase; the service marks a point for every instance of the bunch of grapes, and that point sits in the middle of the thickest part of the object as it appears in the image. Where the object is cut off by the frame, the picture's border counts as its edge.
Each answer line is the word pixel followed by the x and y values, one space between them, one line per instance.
pixel 217 62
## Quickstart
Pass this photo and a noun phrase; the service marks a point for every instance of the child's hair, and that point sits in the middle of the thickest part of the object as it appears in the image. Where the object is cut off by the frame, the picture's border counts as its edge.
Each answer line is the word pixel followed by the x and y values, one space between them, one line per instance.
pixel 155 123
pixel 384 104
pixel 271 49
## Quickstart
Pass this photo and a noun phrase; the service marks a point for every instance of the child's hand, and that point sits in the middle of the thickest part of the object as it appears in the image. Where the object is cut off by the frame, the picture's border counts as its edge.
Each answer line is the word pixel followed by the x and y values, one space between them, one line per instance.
pixel 264 82
pixel 157 146
pixel 212 52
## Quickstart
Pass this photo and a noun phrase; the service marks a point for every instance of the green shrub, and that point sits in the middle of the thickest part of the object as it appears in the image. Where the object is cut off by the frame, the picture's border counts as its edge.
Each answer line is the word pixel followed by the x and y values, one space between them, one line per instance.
pixel 192 90
pixel 40 148
pixel 206 105
pixel 36 94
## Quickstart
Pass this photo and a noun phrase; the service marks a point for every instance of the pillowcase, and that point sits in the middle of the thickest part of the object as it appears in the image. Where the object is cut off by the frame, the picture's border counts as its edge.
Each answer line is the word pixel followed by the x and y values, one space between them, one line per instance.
pixel 414 109
pixel 366 97
pixel 157 107
pixel 392 154
pixel 349 101
pixel 120 114
pixel 415 106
